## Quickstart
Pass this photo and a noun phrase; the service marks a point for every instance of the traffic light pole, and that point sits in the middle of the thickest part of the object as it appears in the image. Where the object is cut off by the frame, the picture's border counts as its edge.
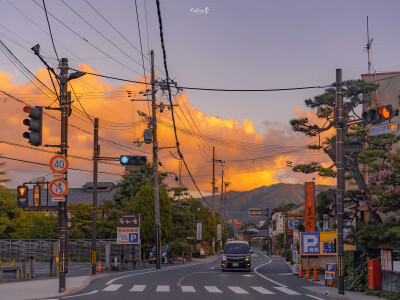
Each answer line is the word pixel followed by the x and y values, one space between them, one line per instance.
pixel 340 178
pixel 213 195
pixel 62 206
pixel 155 167
pixel 96 154
pixel 221 208
pixel 268 241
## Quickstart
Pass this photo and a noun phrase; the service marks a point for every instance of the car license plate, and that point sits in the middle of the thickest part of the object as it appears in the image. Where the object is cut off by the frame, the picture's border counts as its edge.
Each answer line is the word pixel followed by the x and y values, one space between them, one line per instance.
pixel 235 264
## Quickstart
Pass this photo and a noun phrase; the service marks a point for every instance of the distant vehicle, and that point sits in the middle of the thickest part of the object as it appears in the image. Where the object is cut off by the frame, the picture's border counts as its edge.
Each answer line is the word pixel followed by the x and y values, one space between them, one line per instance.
pixel 236 256
pixel 166 255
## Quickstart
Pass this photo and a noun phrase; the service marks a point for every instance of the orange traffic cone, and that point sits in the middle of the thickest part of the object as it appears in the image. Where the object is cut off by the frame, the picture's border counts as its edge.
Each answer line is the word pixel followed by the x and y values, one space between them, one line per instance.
pixel 301 271
pixel 315 276
pixel 308 272
pixel 331 283
pixel 99 267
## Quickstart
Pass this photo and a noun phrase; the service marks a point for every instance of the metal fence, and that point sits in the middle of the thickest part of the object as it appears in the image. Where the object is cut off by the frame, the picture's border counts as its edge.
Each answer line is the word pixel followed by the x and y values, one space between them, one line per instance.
pixel 79 250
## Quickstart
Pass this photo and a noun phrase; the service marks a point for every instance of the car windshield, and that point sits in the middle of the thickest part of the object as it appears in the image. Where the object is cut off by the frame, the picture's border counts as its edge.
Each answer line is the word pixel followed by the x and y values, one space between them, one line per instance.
pixel 164 248
pixel 236 248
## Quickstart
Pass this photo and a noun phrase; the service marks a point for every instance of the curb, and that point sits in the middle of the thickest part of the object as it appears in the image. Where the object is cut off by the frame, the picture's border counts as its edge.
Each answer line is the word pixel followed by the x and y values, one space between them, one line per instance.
pixel 335 295
pixel 85 285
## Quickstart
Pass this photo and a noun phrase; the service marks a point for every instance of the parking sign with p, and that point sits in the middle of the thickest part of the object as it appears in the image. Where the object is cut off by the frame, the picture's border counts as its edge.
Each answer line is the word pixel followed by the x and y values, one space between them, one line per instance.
pixel 310 243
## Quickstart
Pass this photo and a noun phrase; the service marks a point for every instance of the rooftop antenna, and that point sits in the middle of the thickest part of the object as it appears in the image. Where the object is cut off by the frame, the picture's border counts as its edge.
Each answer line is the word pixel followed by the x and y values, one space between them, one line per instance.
pixel 368 46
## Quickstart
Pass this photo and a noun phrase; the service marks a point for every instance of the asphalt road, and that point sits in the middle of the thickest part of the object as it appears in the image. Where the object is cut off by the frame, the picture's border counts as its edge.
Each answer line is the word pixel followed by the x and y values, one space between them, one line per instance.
pixel 269 278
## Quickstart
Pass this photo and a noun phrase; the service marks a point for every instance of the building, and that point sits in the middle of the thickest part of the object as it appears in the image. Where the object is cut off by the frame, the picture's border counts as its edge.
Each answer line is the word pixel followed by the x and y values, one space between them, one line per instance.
pixel 105 191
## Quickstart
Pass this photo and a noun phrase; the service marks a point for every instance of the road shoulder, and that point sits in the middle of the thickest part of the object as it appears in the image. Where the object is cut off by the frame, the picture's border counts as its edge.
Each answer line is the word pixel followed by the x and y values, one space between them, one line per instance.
pixel 44 288
pixel 333 293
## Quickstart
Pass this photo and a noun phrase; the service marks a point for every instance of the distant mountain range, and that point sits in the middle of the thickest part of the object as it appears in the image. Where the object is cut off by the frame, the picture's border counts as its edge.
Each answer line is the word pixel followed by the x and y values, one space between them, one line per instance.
pixel 263 197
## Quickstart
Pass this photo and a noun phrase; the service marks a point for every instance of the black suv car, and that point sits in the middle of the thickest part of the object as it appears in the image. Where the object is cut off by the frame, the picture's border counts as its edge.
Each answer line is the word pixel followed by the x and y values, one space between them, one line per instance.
pixel 236 256
pixel 166 255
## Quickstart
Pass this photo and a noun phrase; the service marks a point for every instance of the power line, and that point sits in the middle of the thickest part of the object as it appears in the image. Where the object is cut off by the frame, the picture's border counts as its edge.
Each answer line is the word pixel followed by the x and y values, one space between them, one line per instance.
pixel 51 34
pixel 42 164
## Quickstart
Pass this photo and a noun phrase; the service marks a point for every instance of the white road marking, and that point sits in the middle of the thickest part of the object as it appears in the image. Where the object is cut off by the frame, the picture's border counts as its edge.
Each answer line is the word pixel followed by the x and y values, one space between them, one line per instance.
pixel 237 290
pixel 90 293
pixel 285 274
pixel 112 288
pixel 286 290
pixel 315 297
pixel 188 289
pixel 138 288
pixel 212 289
pixel 269 279
pixel 164 269
pixel 254 255
pixel 162 288
pixel 262 290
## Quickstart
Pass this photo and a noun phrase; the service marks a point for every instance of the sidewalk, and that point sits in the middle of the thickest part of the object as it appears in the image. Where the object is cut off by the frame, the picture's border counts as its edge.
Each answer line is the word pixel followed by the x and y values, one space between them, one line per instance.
pixel 333 293
pixel 43 288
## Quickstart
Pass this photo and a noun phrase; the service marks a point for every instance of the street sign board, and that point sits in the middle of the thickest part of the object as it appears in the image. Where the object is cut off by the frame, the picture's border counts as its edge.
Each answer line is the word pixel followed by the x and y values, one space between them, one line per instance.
pixel 296 269
pixel 310 243
pixel 58 187
pixel 59 164
pixel 128 235
pixel 310 208
pixel 385 128
pixel 280 223
pixel 199 231
pixel 36 195
pixel 238 223
pixel 235 221
pixel 296 236
pixel 58 199
pixel 330 270
pixel 387 259
pixel 254 212
pixel 219 232
pixel 230 221
pixel 190 237
pixel 295 254
pixel 128 220
pixel 293 223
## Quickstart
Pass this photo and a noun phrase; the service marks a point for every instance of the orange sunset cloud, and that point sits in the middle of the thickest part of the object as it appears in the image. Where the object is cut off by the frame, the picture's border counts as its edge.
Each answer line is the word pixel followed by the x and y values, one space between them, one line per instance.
pixel 253 156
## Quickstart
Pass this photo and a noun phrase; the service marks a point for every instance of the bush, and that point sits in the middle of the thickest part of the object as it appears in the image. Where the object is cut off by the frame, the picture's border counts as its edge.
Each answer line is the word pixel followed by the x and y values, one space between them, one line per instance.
pixel 355 271
pixel 384 294
pixel 179 246
pixel 289 255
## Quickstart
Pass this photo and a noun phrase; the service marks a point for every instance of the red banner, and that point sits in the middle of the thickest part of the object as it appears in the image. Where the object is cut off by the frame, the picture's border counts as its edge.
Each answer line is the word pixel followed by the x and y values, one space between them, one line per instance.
pixel 310 207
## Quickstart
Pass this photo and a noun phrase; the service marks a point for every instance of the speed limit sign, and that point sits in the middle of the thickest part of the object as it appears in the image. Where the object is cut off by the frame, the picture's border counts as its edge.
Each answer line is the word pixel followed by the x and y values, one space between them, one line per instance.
pixel 230 221
pixel 59 164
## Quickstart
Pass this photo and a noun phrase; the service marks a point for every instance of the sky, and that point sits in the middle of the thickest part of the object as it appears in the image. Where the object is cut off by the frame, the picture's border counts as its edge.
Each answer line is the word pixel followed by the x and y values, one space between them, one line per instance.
pixel 254 44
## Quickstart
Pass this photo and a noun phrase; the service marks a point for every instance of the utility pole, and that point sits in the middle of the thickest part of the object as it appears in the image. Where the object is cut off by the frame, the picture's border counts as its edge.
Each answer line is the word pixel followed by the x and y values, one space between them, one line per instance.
pixel 213 195
pixel 221 200
pixel 96 154
pixel 268 241
pixel 65 107
pixel 155 166
pixel 340 177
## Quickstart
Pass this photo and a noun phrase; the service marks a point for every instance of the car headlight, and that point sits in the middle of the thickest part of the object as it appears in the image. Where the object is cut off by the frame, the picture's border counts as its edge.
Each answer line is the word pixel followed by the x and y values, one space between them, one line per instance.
pixel 223 258
pixel 163 254
pixel 247 259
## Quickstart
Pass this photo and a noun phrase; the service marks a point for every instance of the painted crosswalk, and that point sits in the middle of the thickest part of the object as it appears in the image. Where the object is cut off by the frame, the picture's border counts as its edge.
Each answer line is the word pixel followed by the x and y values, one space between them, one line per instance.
pixel 207 288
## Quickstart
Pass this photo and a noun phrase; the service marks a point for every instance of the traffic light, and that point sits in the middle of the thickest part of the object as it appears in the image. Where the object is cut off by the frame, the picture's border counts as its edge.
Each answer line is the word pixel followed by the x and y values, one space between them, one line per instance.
pixel 379 114
pixel 128 160
pixel 22 196
pixel 34 125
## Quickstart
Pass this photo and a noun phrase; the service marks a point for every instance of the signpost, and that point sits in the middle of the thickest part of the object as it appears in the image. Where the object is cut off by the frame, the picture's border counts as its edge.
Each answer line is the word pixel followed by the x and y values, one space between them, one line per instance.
pixel 254 212
pixel 293 223
pixel 310 243
pixel 199 230
pixel 385 128
pixel 59 164
pixel 296 236
pixel 230 221
pixel 280 223
pixel 330 271
pixel 238 223
pixel 58 188
pixel 128 228
pixel 219 232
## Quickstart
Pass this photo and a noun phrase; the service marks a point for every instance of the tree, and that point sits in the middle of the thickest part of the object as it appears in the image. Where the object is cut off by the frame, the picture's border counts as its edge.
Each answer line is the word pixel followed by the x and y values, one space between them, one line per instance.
pixel 130 184
pixel 143 203
pixel 283 207
pixel 80 220
pixel 355 93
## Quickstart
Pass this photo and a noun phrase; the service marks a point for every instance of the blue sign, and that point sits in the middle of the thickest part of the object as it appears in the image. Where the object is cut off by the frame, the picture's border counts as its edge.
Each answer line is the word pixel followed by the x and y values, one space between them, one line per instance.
pixel 385 128
pixel 329 247
pixel 330 271
pixel 293 223
pixel 133 238
pixel 310 243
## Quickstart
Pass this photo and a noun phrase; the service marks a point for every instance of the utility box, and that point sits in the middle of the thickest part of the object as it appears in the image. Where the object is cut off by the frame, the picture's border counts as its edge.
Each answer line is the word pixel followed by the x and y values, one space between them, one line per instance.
pixel 374 274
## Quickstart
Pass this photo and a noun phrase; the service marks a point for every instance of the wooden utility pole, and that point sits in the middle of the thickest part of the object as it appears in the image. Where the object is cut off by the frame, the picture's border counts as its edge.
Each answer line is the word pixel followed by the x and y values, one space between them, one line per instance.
pixel 96 153
pixel 155 166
